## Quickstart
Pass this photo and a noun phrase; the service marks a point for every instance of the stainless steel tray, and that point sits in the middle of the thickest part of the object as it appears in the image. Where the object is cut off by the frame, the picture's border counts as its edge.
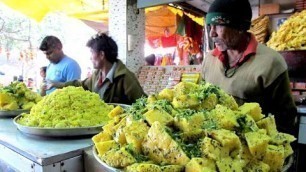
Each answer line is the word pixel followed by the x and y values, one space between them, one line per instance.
pixel 288 162
pixel 105 167
pixel 12 113
pixel 57 132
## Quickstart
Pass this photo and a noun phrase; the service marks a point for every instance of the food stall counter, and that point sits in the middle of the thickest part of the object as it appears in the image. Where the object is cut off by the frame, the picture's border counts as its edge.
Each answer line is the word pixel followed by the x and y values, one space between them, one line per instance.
pixel 24 152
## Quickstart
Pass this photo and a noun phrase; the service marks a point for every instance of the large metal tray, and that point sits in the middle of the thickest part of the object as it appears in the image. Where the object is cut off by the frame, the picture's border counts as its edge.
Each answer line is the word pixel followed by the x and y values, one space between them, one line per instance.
pixel 287 164
pixel 12 113
pixel 104 166
pixel 107 168
pixel 61 132
pixel 57 132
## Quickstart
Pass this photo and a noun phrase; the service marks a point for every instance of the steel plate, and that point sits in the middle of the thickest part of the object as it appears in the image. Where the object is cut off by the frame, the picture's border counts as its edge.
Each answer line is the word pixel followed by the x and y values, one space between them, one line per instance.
pixel 57 132
pixel 12 113
pixel 288 163
pixel 105 167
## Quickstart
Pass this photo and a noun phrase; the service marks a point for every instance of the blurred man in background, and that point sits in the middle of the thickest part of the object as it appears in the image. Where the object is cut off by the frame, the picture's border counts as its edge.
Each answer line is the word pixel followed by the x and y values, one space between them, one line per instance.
pixel 61 68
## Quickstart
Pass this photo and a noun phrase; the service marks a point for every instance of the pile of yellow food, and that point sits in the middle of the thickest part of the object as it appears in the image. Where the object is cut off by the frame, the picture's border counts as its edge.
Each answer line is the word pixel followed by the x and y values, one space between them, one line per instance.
pixel 68 108
pixel 17 96
pixel 192 128
pixel 291 34
pixel 260 28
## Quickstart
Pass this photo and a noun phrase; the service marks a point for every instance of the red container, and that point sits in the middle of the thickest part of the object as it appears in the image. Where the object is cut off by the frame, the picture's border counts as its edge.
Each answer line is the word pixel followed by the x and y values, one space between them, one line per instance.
pixel 296 61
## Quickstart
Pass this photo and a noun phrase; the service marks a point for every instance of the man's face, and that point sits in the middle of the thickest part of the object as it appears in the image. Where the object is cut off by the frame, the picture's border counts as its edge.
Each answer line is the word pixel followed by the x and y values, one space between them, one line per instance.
pixel 217 33
pixel 53 55
pixel 96 59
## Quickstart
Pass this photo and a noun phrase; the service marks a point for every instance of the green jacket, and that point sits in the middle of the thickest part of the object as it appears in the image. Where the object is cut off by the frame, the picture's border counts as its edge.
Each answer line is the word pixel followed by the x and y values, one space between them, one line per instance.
pixel 125 88
pixel 263 79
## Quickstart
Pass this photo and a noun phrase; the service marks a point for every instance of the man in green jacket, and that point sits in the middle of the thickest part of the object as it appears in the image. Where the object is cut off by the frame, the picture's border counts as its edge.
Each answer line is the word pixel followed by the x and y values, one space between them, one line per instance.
pixel 244 68
pixel 112 80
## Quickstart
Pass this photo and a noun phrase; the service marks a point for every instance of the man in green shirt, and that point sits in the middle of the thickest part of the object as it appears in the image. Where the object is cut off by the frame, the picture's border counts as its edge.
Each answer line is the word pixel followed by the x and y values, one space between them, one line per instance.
pixel 112 80
pixel 244 68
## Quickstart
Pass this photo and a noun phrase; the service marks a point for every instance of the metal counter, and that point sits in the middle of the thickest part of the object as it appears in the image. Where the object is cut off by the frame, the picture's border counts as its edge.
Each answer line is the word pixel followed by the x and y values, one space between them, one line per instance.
pixel 32 153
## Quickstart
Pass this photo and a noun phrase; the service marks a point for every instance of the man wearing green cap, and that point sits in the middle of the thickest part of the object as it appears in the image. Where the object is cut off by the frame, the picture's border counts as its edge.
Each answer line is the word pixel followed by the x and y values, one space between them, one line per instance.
pixel 244 68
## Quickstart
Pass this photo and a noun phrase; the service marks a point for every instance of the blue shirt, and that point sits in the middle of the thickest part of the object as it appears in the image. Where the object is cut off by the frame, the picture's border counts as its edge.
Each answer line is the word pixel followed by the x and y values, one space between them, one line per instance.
pixel 65 70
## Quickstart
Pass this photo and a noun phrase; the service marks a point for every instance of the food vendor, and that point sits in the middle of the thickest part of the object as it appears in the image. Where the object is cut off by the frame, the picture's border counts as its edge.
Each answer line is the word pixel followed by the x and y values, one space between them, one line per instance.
pixel 112 80
pixel 244 68
pixel 61 68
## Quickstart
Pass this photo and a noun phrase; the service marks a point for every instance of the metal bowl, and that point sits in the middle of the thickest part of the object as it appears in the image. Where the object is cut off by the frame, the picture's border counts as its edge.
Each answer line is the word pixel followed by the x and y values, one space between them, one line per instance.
pixel 104 167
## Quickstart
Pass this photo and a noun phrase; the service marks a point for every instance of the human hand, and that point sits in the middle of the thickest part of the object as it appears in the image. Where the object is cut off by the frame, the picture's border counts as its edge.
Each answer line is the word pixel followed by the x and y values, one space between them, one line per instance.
pixel 55 84
pixel 44 86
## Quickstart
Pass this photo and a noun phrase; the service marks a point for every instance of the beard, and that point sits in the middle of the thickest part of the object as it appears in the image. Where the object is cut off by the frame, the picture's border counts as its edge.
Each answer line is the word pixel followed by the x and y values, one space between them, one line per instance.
pixel 231 39
pixel 220 44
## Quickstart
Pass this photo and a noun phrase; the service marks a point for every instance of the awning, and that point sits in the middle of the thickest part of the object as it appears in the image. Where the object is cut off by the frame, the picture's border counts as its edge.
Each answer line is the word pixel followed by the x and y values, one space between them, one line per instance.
pixel 160 17
pixel 98 26
pixel 92 10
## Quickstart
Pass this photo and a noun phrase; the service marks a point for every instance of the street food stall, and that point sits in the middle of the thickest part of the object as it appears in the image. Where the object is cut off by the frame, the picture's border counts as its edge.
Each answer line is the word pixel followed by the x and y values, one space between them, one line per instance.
pixel 52 136
pixel 181 125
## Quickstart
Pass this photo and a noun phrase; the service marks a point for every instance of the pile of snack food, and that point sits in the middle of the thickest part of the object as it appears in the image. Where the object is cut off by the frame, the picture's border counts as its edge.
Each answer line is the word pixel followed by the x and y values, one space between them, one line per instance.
pixel 68 108
pixel 17 96
pixel 291 34
pixel 260 28
pixel 193 128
